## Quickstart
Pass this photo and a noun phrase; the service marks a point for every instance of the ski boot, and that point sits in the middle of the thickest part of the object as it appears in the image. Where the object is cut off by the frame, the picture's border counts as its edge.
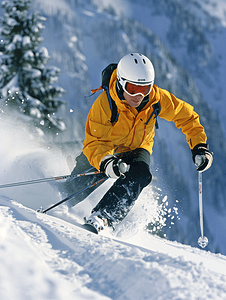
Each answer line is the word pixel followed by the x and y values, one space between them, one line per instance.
pixel 96 222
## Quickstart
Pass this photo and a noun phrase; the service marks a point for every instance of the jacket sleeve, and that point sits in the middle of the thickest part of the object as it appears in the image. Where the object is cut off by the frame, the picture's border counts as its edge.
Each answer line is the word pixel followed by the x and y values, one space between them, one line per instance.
pixel 97 132
pixel 184 117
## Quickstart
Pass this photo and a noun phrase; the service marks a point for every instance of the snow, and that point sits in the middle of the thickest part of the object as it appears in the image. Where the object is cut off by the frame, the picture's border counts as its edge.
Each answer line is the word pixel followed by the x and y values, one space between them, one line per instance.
pixel 11 22
pixel 26 41
pixel 216 9
pixel 17 39
pixel 29 55
pixel 118 7
pixel 11 87
pixel 53 7
pixel 43 52
pixel 49 256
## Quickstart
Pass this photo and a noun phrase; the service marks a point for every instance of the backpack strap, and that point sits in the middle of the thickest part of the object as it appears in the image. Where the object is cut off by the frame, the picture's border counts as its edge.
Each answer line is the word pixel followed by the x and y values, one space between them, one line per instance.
pixel 106 76
pixel 113 107
pixel 156 111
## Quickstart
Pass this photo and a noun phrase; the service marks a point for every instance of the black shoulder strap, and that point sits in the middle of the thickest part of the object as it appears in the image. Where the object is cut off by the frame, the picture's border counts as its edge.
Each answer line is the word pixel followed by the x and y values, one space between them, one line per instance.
pixel 106 76
pixel 156 111
pixel 156 108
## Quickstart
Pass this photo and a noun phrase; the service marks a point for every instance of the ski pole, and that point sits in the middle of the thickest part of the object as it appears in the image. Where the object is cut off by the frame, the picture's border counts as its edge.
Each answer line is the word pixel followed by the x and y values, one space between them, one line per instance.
pixel 47 179
pixel 70 197
pixel 202 241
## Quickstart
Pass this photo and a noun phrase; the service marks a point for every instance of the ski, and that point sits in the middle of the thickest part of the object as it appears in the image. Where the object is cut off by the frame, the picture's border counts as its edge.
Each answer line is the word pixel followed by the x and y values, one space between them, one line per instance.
pixel 90 228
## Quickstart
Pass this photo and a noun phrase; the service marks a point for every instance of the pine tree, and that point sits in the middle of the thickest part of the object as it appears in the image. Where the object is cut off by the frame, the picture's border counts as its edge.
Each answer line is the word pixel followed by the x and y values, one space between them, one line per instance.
pixel 26 84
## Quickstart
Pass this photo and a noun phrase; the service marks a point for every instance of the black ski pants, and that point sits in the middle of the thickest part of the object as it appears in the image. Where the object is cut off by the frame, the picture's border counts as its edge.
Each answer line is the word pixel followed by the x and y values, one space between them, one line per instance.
pixel 120 198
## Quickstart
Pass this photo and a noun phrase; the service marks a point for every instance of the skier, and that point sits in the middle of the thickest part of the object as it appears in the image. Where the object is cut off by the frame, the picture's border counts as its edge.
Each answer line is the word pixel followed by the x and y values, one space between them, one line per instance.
pixel 121 148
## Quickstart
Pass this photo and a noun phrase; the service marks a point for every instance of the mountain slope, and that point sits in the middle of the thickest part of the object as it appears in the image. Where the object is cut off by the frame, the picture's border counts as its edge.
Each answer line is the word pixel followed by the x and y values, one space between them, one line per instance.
pixel 188 54
pixel 43 257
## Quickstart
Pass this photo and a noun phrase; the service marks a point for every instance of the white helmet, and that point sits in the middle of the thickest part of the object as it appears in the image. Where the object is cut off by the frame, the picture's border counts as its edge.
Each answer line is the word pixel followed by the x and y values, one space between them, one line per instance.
pixel 135 68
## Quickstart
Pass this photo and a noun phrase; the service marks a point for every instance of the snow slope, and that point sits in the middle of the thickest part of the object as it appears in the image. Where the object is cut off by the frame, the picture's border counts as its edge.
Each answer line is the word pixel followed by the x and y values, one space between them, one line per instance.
pixel 44 257
pixel 173 34
pixel 49 256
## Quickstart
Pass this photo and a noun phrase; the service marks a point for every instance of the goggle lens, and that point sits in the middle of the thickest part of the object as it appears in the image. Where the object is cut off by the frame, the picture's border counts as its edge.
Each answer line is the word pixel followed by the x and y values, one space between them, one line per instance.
pixel 134 89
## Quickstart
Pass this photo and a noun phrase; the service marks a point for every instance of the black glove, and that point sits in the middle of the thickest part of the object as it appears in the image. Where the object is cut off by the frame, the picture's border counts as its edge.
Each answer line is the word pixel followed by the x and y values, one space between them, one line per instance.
pixel 113 166
pixel 202 157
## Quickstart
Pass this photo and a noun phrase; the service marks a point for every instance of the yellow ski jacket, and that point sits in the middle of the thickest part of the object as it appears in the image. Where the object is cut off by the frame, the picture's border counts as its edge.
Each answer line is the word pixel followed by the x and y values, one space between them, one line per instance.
pixel 133 130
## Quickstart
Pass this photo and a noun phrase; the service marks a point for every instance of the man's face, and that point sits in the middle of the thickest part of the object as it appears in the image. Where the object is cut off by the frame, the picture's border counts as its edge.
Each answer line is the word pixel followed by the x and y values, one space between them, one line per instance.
pixel 133 101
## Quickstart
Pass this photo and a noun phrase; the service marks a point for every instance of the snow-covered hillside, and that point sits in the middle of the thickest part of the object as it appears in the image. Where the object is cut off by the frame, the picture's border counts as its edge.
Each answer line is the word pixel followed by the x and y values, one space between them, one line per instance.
pixel 43 257
pixel 82 37
pixel 49 256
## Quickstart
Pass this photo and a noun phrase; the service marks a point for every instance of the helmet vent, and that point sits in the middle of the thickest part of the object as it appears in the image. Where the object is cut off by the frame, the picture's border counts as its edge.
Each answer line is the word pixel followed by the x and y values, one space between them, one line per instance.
pixel 136 62
pixel 144 61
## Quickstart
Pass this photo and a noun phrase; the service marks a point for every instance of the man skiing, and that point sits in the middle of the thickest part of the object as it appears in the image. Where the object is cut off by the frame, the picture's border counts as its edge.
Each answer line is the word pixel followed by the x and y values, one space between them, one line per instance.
pixel 121 147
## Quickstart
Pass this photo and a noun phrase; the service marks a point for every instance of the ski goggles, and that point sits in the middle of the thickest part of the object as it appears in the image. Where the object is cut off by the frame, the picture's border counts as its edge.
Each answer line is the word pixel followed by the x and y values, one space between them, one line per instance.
pixel 136 89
